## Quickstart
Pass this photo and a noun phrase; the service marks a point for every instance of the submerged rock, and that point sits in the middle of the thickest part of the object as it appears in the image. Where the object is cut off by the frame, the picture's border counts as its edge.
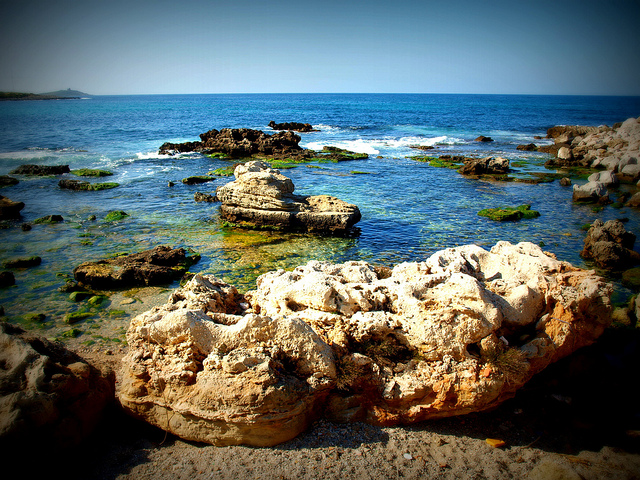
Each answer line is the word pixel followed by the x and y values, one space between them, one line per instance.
pixel 86 186
pixel 41 170
pixel 262 197
pixel 7 181
pixel 160 265
pixel 50 398
pixel 458 333
pixel 610 245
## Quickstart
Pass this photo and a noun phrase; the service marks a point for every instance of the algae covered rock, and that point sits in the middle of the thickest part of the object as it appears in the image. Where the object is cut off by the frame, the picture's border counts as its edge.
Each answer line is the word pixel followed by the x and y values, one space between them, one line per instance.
pixel 86 186
pixel 502 214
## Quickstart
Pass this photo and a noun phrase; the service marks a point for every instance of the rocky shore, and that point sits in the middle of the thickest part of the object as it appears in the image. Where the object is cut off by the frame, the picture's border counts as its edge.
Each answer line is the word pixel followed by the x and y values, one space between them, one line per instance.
pixel 328 363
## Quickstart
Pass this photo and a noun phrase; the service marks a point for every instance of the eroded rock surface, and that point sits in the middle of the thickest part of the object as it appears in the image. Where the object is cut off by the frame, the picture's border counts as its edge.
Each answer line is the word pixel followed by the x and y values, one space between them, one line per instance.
pixel 261 196
pixel 485 166
pixel 49 397
pixel 458 333
pixel 9 209
pixel 610 245
pixel 157 266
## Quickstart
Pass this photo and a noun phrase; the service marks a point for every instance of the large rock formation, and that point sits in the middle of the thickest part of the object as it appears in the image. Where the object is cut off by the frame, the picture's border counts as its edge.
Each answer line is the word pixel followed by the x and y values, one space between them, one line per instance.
pixel 49 397
pixel 160 265
pixel 239 143
pixel 615 148
pixel 458 333
pixel 610 246
pixel 263 197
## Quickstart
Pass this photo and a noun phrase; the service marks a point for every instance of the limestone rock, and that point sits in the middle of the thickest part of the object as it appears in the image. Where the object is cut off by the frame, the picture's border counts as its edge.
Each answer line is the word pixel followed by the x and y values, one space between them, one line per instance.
pixel 203 373
pixel 457 333
pixel 49 397
pixel 607 178
pixel 157 266
pixel 610 245
pixel 9 209
pixel 615 148
pixel 590 192
pixel 261 196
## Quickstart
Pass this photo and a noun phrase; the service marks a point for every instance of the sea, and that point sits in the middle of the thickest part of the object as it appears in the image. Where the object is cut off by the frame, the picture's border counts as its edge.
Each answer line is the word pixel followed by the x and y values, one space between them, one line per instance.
pixel 409 208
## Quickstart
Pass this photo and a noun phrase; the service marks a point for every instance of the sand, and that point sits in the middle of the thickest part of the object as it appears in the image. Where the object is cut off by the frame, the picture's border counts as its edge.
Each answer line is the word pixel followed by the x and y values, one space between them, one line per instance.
pixel 577 419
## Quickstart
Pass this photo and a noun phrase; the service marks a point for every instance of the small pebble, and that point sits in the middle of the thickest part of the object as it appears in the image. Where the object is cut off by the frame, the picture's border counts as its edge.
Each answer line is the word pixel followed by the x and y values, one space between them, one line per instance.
pixel 407 456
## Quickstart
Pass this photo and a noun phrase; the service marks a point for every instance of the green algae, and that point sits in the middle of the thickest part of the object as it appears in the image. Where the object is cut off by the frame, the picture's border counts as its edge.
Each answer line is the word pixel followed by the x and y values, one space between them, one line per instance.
pixel 49 219
pixel 73 333
pixel 76 317
pixel 222 172
pixel 88 172
pixel 115 216
pixel 502 214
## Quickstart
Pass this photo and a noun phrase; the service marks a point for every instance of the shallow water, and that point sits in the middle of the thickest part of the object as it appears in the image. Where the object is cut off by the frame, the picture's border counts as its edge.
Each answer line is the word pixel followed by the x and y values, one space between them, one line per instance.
pixel 409 209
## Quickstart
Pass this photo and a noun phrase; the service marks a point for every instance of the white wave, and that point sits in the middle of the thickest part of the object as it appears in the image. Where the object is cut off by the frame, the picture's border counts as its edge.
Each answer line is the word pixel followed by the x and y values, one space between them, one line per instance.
pixel 326 128
pixel 149 155
pixel 373 146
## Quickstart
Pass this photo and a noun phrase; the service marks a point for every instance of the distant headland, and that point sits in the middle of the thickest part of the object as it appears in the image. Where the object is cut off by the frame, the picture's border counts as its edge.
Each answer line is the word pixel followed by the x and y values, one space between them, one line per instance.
pixel 67 94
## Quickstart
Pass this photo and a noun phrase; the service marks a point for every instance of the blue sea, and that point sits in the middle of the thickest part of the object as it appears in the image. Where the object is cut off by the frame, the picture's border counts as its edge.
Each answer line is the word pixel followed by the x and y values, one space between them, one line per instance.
pixel 409 208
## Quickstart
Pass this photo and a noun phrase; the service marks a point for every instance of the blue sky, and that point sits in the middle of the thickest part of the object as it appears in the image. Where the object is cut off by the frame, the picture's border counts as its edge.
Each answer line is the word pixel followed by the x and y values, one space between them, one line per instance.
pixel 248 46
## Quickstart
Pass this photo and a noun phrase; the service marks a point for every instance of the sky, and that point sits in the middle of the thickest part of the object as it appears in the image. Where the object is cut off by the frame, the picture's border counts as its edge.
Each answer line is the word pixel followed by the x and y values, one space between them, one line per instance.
pixel 114 47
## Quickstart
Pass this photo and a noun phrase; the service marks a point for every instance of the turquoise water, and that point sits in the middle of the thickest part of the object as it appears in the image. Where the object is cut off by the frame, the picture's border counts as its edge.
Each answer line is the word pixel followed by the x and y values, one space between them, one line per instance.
pixel 409 209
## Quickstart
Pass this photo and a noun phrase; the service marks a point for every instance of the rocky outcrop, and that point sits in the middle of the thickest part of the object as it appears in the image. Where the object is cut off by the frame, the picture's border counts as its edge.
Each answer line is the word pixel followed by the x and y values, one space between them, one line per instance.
pixel 614 148
pixel 9 209
pixel 485 166
pixel 49 397
pixel 610 246
pixel 7 181
pixel 295 126
pixel 458 333
pixel 239 143
pixel 590 192
pixel 482 138
pixel 158 266
pixel 262 197
pixel 41 170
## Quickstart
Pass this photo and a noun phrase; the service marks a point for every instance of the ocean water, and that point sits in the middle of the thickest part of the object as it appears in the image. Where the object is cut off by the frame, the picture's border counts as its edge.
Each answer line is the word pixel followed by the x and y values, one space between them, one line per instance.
pixel 409 209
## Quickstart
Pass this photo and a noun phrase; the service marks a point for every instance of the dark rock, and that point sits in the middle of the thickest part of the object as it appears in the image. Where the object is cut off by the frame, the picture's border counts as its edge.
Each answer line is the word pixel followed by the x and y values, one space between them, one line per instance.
pixel 7 279
pixel 23 262
pixel 565 182
pixel 239 143
pixel 41 170
pixel 423 147
pixel 530 147
pixel 59 409
pixel 296 126
pixel 485 166
pixel 9 209
pixel 69 287
pixel 6 181
pixel 197 179
pixel 158 266
pixel 205 197
pixel 171 184
pixel 482 138
pixel 25 227
pixel 610 245
pixel 49 219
